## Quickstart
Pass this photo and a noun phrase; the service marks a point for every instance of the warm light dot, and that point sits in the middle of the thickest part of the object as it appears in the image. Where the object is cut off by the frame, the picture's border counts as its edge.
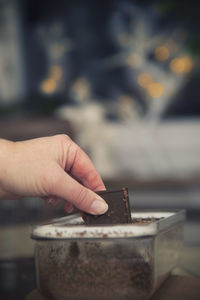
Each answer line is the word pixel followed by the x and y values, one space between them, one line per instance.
pixel 55 72
pixel 181 65
pixel 48 86
pixel 134 60
pixel 188 64
pixel 177 65
pixel 162 53
pixel 155 89
pixel 124 39
pixel 144 80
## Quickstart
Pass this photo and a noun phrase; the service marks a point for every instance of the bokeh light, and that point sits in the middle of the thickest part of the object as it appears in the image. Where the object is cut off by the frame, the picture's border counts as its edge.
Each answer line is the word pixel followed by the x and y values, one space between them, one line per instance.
pixel 155 89
pixel 144 80
pixel 182 64
pixel 48 86
pixel 162 53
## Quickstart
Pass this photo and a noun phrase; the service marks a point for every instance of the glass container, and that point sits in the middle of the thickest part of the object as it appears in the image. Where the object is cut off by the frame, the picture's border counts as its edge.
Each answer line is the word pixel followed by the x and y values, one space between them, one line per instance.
pixel 114 262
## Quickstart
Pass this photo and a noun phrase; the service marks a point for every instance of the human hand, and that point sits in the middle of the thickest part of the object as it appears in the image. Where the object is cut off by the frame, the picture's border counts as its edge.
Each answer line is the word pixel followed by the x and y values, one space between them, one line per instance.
pixel 54 168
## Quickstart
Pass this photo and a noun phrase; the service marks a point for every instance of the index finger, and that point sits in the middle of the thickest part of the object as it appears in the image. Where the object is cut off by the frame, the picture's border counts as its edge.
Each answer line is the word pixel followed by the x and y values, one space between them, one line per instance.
pixel 83 170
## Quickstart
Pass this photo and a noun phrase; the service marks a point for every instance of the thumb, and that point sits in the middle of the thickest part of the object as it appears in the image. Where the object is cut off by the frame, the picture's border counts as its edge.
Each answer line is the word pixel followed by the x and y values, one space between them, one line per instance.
pixel 64 186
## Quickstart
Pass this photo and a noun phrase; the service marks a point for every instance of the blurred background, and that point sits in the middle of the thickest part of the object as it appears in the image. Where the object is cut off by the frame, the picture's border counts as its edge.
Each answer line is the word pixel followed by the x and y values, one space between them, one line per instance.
pixel 122 78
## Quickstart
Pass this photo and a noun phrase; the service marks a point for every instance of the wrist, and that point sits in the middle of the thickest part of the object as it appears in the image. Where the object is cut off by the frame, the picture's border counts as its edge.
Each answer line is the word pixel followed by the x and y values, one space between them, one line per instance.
pixel 6 153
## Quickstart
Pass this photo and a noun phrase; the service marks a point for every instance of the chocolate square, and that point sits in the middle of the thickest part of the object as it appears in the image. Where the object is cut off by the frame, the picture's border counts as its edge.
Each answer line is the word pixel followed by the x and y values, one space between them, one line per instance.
pixel 118 209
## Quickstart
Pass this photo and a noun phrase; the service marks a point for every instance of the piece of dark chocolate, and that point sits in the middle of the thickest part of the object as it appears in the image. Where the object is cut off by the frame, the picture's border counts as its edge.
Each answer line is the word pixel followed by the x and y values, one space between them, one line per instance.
pixel 118 209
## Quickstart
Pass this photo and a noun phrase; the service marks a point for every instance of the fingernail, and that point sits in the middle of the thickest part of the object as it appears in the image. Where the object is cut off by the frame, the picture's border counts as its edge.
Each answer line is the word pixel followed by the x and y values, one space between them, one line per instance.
pixel 98 207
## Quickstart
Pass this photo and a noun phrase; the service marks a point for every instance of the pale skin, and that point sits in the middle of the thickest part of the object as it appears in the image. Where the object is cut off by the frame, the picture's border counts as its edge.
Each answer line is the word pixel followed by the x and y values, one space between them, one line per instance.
pixel 54 168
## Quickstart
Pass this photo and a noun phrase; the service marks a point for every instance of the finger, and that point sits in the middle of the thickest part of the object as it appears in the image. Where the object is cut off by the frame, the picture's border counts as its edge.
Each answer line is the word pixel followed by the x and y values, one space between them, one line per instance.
pixel 8 196
pixel 82 168
pixel 65 187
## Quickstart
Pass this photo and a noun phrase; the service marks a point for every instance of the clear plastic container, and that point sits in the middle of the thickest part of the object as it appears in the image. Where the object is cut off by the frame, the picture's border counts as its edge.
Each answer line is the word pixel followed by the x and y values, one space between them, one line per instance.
pixel 79 262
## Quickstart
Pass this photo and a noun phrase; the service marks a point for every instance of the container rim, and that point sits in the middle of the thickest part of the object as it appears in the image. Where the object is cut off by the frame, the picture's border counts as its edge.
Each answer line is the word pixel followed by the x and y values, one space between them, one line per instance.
pixel 72 227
